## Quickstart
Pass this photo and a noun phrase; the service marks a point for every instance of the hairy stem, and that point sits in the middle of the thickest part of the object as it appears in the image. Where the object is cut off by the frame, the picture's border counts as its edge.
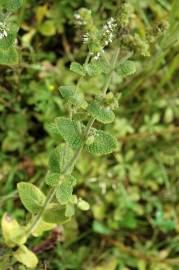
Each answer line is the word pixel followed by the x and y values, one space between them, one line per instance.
pixel 52 191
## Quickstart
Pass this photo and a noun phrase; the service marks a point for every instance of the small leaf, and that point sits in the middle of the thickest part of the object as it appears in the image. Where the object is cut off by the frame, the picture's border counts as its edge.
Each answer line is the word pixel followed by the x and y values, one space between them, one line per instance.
pixel 95 68
pixel 69 131
pixel 9 56
pixel 42 227
pixel 103 144
pixel 55 214
pixel 77 68
pixel 83 205
pixel 54 161
pixel 12 231
pixel 31 196
pixel 65 189
pixel 100 113
pixel 26 257
pixel 47 28
pixel 52 179
pixel 70 94
pixel 70 210
pixel 127 68
pixel 66 154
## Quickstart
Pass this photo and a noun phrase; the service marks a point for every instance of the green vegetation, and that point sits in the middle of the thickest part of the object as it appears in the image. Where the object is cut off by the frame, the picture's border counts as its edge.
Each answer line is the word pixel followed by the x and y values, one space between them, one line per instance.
pixel 89 135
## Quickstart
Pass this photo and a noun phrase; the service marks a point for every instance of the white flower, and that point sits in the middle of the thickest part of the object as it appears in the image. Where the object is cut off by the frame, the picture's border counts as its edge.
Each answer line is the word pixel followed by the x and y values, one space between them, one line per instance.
pixel 3 30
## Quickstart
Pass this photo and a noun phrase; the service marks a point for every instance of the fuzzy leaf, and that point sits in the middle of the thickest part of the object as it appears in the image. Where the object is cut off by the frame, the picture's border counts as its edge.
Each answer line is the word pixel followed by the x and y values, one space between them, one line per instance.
pixel 58 160
pixel 12 5
pixel 31 196
pixel 100 113
pixel 70 210
pixel 9 56
pixel 69 131
pixel 70 94
pixel 65 189
pixel 127 68
pixel 26 257
pixel 11 231
pixel 95 68
pixel 103 143
pixel 55 214
pixel 77 68
pixel 52 178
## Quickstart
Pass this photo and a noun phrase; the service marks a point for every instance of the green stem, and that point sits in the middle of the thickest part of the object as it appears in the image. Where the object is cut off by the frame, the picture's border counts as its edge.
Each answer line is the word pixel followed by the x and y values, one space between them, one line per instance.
pixel 75 157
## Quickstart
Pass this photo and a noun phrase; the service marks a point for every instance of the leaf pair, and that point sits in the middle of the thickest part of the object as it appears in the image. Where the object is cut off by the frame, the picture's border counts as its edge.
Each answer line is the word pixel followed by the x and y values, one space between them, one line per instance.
pixel 102 144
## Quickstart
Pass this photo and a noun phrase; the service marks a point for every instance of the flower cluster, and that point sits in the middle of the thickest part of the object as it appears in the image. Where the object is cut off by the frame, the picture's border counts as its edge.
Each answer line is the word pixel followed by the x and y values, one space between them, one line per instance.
pixel 3 30
pixel 108 31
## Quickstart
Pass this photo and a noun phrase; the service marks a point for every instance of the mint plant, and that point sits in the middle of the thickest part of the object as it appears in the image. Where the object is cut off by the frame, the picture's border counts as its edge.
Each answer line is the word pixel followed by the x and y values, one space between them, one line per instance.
pixel 79 130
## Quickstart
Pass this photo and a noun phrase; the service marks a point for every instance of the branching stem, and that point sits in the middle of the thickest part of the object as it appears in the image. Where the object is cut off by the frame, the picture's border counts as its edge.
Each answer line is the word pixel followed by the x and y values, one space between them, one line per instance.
pixel 52 191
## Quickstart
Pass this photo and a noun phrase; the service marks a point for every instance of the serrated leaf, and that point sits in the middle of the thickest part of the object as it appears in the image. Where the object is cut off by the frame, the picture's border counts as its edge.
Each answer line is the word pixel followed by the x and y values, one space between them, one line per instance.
pixel 52 179
pixel 127 68
pixel 55 214
pixel 12 5
pixel 94 68
pixel 69 131
pixel 100 113
pixel 77 68
pixel 9 56
pixel 70 94
pixel 42 227
pixel 31 196
pixel 11 231
pixel 26 257
pixel 65 189
pixel 103 143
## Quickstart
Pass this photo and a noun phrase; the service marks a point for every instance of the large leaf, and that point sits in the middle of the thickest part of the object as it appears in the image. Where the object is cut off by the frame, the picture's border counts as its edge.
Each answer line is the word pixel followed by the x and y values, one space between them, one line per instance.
pixel 55 214
pixel 103 143
pixel 26 257
pixel 31 196
pixel 70 94
pixel 11 231
pixel 100 113
pixel 69 131
pixel 65 189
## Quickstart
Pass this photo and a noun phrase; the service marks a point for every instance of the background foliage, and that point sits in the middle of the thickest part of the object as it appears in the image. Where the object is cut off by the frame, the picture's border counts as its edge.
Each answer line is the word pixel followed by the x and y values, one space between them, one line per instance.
pixel 133 221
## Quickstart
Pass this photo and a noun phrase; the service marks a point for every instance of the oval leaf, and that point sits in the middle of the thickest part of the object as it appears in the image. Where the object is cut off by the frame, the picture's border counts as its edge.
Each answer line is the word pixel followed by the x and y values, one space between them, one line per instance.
pixel 31 196
pixel 100 113
pixel 55 214
pixel 26 257
pixel 65 189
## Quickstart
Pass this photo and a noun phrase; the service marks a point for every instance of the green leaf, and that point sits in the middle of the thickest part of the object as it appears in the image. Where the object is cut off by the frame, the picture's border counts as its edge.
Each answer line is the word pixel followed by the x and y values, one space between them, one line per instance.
pixel 95 68
pixel 9 56
pixel 12 5
pixel 69 131
pixel 77 68
pixel 70 94
pixel 103 143
pixel 12 231
pixel 127 68
pixel 70 210
pixel 101 228
pixel 55 214
pixel 26 257
pixel 58 160
pixel 31 196
pixel 104 115
pixel 8 41
pixel 54 161
pixel 52 179
pixel 83 205
pixel 42 227
pixel 65 189
pixel 47 28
